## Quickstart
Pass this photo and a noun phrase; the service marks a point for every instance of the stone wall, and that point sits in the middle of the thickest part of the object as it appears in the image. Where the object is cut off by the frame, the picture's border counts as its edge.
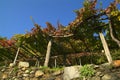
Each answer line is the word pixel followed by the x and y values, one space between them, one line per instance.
pixel 23 71
pixel 101 72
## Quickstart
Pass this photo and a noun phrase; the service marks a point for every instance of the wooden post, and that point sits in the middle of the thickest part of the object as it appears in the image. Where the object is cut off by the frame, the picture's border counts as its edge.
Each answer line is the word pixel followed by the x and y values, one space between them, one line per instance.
pixel 105 46
pixel 80 61
pixel 56 61
pixel 48 53
pixel 16 56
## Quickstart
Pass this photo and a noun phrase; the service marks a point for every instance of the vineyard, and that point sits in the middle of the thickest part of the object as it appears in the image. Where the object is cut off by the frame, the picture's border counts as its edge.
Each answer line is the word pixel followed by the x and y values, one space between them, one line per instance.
pixel 77 43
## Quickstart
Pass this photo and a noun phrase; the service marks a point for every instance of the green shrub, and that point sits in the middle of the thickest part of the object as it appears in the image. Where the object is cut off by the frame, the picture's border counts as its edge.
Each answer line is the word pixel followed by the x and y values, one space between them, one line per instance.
pixel 87 71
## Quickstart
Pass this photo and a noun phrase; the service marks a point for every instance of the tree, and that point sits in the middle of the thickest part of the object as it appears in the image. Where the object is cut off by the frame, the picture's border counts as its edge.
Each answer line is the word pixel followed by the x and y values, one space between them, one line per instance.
pixel 88 18
pixel 81 35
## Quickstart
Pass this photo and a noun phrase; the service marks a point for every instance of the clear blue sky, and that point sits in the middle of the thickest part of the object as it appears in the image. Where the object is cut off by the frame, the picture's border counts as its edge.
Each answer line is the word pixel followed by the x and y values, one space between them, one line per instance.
pixel 15 14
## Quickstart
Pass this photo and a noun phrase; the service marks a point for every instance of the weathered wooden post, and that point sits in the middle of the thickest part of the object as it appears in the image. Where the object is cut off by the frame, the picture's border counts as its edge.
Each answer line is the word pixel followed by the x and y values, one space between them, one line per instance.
pixel 16 56
pixel 48 53
pixel 105 46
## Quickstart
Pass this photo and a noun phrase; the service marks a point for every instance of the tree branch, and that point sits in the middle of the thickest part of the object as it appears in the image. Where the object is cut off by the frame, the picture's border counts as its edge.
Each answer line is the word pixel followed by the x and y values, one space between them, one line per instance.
pixel 63 35
pixel 112 36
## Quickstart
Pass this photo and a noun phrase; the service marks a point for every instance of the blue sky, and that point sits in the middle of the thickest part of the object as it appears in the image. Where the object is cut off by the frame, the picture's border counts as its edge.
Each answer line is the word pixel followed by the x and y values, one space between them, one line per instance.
pixel 15 14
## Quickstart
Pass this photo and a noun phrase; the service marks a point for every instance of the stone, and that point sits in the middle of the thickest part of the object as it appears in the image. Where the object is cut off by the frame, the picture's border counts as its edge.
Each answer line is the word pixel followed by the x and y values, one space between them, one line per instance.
pixel 16 79
pixel 11 65
pixel 95 78
pixel 4 76
pixel 19 73
pixel 106 65
pixel 118 75
pixel 58 78
pixel 38 73
pixel 98 73
pixel 20 76
pixel 106 77
pixel 109 77
pixel 34 79
pixel 3 70
pixel 25 75
pixel 27 71
pixel 31 75
pixel 27 78
pixel 57 73
pixel 1 73
pixel 23 64
pixel 50 78
pixel 23 68
pixel 71 72
pixel 31 72
pixel 96 66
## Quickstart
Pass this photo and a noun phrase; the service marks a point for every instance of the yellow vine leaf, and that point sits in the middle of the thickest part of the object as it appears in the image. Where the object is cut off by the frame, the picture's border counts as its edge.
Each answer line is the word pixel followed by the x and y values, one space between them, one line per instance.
pixel 114 13
pixel 119 18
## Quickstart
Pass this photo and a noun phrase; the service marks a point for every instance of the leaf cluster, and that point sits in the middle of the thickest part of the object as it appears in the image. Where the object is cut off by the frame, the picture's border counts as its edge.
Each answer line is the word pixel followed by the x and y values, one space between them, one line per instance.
pixel 87 71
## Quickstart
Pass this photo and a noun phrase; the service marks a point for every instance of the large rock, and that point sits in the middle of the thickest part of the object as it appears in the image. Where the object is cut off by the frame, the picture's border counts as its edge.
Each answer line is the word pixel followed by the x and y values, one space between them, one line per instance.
pixel 23 64
pixel 71 72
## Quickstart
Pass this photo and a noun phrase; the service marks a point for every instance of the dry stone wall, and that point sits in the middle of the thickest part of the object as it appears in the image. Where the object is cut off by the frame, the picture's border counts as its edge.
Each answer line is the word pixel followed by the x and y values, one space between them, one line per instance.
pixel 23 71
